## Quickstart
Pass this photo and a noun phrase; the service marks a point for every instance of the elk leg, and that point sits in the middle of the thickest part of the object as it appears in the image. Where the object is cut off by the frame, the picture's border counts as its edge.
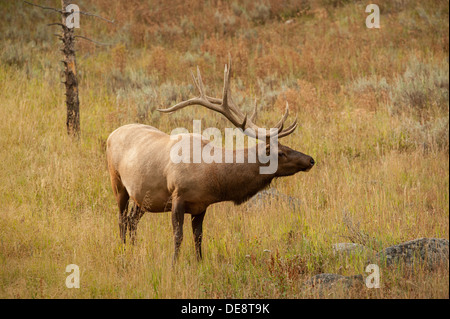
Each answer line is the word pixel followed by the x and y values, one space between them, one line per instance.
pixel 133 220
pixel 123 200
pixel 197 228
pixel 131 212
pixel 177 223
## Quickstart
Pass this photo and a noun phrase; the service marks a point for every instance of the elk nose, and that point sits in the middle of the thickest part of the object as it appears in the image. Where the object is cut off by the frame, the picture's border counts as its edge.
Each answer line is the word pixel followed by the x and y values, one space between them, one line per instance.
pixel 312 162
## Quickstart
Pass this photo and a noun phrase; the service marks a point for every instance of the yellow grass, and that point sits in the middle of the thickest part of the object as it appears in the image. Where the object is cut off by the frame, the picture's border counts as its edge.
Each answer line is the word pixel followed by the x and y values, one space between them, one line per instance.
pixel 382 163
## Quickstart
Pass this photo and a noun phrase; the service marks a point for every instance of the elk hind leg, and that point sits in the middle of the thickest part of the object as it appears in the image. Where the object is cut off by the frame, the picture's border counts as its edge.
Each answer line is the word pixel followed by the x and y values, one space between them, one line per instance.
pixel 178 211
pixel 122 199
pixel 133 220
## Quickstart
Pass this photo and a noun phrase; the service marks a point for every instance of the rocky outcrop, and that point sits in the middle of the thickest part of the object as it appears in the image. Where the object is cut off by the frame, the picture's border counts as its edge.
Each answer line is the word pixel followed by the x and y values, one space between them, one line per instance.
pixel 431 251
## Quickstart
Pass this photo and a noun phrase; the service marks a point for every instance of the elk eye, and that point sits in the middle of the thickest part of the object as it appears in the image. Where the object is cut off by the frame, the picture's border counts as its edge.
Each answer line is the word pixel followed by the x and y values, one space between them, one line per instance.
pixel 281 154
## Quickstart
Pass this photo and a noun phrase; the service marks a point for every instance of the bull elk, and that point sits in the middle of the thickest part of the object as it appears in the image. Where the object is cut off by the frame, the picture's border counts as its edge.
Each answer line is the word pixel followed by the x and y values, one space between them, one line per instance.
pixel 141 168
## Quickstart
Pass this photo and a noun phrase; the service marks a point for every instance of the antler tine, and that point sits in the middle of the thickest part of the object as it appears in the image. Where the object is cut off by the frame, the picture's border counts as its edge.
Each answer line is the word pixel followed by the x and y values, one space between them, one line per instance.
pixel 227 100
pixel 226 84
pixel 280 124
pixel 202 100
pixel 289 130
pixel 193 101
pixel 244 123
pixel 230 110
pixel 280 132
pixel 195 80
pixel 226 95
pixel 227 73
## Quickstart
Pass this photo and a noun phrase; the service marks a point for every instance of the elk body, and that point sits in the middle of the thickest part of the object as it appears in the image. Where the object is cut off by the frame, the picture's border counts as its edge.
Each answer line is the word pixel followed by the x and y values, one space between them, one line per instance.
pixel 141 168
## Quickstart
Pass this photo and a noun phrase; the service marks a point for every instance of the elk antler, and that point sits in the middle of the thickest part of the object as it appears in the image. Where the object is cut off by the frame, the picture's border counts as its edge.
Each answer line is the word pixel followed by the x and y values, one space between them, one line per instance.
pixel 226 107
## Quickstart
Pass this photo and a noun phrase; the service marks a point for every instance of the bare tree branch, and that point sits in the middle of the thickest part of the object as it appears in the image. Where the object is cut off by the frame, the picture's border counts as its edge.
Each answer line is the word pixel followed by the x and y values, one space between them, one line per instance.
pixel 94 15
pixel 56 23
pixel 62 12
pixel 45 8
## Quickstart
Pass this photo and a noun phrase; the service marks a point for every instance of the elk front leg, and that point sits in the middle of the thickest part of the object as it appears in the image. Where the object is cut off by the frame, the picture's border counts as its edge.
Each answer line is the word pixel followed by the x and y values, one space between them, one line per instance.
pixel 197 228
pixel 177 223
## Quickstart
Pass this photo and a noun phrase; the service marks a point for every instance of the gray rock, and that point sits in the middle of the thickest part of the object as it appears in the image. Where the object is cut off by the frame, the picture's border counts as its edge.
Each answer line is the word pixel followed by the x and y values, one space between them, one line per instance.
pixel 328 281
pixel 267 197
pixel 431 251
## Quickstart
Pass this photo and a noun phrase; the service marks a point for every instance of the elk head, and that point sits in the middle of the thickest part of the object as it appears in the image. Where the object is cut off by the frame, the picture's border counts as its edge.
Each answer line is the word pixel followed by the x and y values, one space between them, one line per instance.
pixel 289 160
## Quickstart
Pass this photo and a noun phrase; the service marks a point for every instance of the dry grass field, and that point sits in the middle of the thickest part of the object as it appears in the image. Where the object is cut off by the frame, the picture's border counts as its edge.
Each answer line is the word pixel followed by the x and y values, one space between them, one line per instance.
pixel 373 111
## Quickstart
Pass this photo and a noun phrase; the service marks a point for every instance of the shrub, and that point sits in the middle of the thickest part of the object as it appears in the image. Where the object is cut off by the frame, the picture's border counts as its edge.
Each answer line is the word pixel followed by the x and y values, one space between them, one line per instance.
pixel 419 97
pixel 433 134
pixel 370 91
pixel 225 23
pixel 260 13
pixel 422 85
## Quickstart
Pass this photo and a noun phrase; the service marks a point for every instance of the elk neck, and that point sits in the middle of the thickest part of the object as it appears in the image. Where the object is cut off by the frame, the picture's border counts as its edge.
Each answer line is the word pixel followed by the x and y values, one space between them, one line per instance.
pixel 240 181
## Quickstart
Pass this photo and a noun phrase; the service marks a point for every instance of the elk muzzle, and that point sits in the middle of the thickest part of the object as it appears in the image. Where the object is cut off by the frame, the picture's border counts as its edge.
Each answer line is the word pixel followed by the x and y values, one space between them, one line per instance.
pixel 305 162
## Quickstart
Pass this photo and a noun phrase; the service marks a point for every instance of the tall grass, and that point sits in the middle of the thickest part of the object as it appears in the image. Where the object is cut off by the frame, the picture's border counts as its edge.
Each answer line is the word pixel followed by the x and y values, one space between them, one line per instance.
pixel 373 108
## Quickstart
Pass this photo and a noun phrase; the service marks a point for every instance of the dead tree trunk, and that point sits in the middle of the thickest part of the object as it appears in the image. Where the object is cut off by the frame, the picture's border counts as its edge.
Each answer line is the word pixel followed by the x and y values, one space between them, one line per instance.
pixel 70 71
pixel 70 64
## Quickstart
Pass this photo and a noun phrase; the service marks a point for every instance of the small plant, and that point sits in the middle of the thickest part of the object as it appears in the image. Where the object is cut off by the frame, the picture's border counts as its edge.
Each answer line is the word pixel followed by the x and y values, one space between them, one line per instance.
pixel 356 235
